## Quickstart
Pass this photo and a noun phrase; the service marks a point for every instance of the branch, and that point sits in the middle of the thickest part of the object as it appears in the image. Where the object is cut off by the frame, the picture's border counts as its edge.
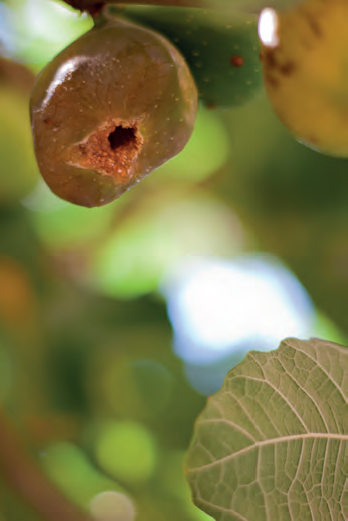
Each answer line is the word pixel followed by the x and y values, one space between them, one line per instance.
pixel 24 477
pixel 241 6
pixel 16 76
pixel 94 6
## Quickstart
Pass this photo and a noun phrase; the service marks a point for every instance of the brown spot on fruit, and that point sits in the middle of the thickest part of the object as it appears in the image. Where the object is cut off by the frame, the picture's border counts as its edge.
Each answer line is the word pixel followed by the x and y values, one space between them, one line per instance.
pixel 237 61
pixel 272 81
pixel 313 24
pixel 288 68
pixel 270 58
pixel 273 64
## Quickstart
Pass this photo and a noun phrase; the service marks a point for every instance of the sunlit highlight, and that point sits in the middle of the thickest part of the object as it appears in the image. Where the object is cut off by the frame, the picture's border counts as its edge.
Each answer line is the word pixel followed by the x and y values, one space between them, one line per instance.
pixel 62 75
pixel 39 15
pixel 217 306
pixel 268 27
pixel 7 36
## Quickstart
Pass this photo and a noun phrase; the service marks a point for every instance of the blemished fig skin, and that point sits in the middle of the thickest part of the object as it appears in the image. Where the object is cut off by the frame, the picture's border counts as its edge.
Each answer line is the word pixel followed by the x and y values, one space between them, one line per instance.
pixel 108 110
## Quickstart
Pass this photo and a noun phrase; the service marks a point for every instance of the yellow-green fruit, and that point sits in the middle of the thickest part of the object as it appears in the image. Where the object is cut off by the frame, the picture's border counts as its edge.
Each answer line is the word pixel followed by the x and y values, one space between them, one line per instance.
pixel 306 74
pixel 108 110
pixel 18 171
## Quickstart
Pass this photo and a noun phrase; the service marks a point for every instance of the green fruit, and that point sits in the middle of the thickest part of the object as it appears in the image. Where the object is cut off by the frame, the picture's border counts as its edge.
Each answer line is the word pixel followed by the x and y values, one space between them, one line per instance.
pixel 221 49
pixel 108 110
pixel 306 74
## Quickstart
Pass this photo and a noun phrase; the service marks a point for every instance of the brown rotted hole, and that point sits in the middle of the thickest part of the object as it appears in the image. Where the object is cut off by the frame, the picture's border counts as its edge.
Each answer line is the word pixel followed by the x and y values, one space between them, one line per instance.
pixel 122 137
pixel 111 150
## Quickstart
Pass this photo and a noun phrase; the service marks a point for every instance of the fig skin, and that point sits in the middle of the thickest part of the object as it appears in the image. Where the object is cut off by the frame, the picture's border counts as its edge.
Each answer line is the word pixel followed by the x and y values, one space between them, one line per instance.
pixel 110 109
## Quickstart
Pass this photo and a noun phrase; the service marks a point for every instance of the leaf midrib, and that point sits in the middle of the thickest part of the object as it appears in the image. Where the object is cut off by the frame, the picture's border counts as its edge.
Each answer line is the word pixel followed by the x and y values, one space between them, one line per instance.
pixel 271 441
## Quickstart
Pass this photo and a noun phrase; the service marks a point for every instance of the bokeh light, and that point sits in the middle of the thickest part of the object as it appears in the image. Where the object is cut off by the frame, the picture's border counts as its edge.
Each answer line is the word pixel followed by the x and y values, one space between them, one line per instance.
pixel 69 468
pixel 221 309
pixel 162 229
pixel 64 225
pixel 112 506
pixel 217 305
pixel 126 450
pixel 268 26
pixel 7 39
pixel 19 172
pixel 137 387
pixel 206 152
pixel 42 28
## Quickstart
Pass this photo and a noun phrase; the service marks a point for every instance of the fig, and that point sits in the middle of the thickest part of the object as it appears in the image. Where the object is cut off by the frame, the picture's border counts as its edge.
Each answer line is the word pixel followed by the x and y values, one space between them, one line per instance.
pixel 221 48
pixel 108 110
pixel 305 73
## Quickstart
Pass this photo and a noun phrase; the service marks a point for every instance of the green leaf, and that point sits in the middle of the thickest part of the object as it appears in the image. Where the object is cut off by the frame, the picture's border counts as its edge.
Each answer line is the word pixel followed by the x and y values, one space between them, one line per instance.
pixel 271 445
pixel 221 49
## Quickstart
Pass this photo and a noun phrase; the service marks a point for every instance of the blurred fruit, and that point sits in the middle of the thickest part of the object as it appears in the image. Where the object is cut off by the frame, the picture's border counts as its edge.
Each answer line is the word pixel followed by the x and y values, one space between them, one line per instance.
pixel 221 49
pixel 17 298
pixel 109 109
pixel 18 170
pixel 305 73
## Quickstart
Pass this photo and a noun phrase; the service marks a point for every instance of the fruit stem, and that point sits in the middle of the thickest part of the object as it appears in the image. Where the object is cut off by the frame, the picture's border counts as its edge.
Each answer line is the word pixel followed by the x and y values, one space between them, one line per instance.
pixel 94 6
pixel 205 4
pixel 25 478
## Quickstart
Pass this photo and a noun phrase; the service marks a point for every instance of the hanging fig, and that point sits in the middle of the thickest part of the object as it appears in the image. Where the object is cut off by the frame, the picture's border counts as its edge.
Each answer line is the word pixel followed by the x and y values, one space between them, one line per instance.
pixel 108 110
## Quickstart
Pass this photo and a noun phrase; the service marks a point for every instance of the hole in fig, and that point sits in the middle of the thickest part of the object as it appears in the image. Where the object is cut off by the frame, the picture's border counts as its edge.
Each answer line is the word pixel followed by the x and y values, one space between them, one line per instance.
pixel 122 137
pixel 110 150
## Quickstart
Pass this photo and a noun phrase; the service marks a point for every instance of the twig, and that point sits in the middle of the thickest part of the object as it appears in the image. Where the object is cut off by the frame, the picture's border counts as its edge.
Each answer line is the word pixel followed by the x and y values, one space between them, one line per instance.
pixel 94 6
pixel 24 477
pixel 241 6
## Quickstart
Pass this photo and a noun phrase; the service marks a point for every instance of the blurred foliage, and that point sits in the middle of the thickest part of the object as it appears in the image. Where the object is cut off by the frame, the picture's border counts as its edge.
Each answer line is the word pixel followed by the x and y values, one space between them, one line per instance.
pixel 87 370
pixel 294 199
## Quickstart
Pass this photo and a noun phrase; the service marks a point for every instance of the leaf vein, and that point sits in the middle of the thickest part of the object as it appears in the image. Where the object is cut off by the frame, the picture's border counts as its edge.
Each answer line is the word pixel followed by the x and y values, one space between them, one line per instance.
pixel 227 422
pixel 309 396
pixel 324 371
pixel 222 509
pixel 292 408
pixel 271 441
